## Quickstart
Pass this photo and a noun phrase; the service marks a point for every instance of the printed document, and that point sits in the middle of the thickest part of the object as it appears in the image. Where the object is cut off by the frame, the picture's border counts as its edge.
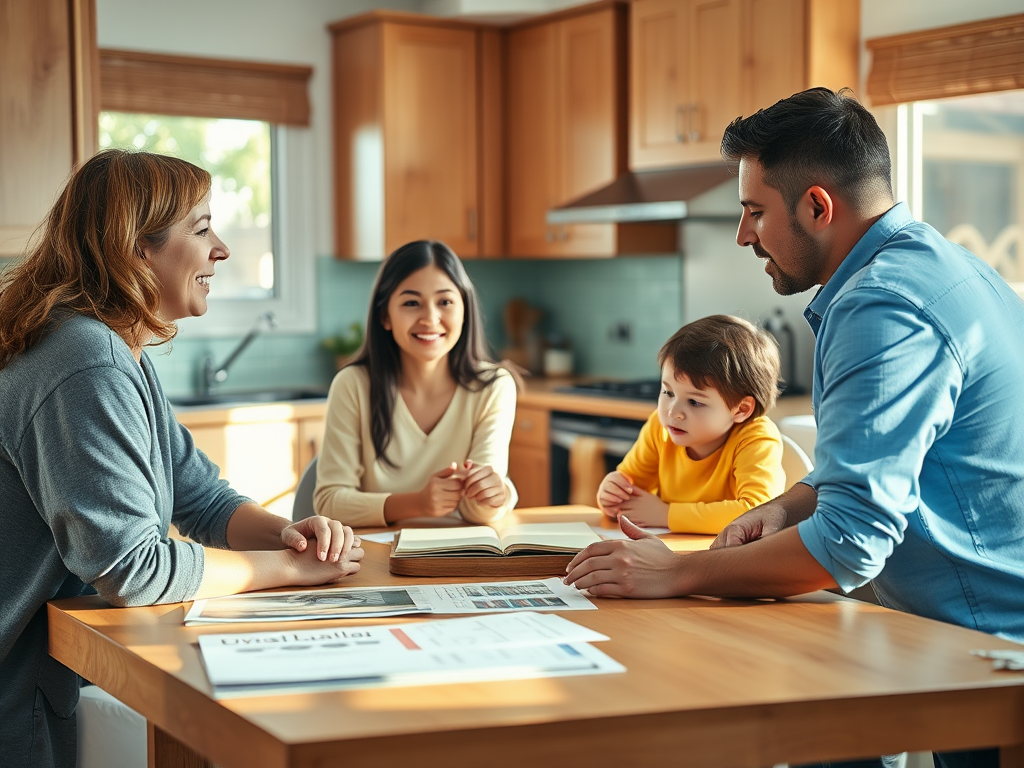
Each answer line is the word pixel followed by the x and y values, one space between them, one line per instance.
pixel 492 597
pixel 364 602
pixel 499 647
pixel 301 605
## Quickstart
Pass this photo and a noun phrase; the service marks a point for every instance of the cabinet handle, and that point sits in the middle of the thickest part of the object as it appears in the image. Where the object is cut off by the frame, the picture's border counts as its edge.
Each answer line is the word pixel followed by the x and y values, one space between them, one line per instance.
pixel 549 236
pixel 526 424
pixel 692 133
pixel 471 224
pixel 563 233
pixel 680 136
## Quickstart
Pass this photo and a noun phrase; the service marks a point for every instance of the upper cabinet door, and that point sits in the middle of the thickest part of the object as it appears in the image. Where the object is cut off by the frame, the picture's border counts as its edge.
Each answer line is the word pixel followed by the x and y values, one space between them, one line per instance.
pixel 696 65
pixel 591 139
pixel 776 58
pixel 685 79
pixel 659 87
pixel 567 135
pixel 430 137
pixel 533 144
pixel 713 83
pixel 415 144
pixel 48 60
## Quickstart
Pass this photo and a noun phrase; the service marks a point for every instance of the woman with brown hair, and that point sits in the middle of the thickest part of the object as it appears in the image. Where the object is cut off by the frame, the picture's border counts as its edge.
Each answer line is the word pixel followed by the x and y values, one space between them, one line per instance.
pixel 94 466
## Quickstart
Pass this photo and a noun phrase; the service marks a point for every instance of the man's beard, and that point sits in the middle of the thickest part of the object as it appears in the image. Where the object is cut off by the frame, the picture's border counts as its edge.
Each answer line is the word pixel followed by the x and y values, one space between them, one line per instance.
pixel 807 260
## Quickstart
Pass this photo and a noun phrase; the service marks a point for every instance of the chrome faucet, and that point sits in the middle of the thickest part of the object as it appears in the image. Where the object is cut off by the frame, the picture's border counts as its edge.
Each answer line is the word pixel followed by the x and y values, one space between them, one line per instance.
pixel 213 374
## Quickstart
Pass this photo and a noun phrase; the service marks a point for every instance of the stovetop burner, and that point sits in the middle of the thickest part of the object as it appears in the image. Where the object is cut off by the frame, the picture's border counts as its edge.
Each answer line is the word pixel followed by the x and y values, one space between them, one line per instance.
pixel 643 389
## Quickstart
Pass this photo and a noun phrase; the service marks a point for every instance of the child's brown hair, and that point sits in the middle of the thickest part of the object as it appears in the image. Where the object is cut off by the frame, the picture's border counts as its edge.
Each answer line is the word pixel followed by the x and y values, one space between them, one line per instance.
pixel 730 355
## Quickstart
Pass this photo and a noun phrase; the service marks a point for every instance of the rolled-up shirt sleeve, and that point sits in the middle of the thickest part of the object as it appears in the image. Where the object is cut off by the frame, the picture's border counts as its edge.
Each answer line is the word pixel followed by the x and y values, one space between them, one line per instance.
pixel 889 384
pixel 87 462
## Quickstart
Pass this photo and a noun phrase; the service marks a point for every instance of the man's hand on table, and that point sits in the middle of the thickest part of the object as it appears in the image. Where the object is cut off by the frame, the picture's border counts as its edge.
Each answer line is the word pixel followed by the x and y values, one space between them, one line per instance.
pixel 642 567
pixel 759 522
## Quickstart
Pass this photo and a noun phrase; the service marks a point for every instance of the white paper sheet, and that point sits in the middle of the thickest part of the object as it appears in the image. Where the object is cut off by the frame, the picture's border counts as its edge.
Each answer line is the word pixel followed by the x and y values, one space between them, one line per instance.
pixel 1003 659
pixel 507 646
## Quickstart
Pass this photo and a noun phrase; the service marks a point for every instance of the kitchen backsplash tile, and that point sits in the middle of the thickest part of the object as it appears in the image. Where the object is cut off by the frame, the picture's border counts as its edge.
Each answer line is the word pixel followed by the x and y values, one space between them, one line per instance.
pixel 582 300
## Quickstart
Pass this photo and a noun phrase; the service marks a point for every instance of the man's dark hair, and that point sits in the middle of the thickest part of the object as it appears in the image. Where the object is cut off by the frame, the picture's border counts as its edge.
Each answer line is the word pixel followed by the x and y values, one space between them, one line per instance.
pixel 814 137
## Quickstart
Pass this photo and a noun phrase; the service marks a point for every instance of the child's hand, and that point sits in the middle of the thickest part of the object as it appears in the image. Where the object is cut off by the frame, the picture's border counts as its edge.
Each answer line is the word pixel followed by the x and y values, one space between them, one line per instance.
pixel 484 484
pixel 613 491
pixel 645 509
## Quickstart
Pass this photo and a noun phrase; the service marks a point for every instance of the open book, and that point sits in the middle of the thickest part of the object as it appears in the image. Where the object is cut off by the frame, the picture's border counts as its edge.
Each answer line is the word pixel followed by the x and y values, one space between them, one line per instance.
pixel 481 540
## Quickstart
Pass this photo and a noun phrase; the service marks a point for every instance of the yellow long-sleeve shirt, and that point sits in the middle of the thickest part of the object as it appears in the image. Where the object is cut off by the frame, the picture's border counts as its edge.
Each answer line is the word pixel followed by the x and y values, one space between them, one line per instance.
pixel 705 496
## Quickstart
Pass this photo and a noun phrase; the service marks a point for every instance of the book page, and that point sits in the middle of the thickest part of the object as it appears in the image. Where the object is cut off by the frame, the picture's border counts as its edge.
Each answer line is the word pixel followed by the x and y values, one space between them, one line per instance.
pixel 420 541
pixel 548 537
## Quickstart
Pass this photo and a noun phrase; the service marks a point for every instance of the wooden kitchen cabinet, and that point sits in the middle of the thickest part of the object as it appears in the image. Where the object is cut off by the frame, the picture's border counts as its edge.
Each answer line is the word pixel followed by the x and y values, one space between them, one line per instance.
pixel 685 79
pixel 529 461
pixel 695 65
pixel 49 61
pixel 408 135
pixel 566 134
pixel 261 450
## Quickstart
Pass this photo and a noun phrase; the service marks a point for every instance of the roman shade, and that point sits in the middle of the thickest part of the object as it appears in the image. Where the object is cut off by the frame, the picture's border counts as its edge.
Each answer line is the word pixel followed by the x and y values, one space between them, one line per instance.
pixel 961 60
pixel 132 81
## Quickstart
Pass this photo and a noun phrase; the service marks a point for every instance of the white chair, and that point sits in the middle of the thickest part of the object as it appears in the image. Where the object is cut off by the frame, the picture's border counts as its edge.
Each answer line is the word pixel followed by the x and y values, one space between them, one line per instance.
pixel 302 507
pixel 803 429
pixel 110 734
pixel 795 462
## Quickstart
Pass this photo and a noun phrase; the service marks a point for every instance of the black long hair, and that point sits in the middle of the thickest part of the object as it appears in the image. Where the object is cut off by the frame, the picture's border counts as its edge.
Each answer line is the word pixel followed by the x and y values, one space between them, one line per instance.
pixel 469 362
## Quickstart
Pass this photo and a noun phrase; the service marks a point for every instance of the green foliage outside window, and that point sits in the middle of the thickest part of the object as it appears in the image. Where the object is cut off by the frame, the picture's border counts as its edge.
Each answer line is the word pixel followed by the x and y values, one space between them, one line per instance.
pixel 237 153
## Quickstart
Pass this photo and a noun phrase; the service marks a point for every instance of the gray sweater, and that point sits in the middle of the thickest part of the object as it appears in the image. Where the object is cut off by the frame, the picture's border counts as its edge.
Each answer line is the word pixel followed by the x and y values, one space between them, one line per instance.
pixel 93 469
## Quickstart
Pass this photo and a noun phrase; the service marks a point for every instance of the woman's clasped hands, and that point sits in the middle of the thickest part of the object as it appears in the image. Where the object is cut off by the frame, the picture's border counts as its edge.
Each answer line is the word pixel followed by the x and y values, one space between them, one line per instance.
pixel 446 488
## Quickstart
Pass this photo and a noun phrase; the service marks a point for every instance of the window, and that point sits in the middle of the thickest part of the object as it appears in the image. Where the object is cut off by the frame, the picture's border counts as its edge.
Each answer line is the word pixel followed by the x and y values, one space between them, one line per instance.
pixel 957 133
pixel 960 167
pixel 245 123
pixel 238 154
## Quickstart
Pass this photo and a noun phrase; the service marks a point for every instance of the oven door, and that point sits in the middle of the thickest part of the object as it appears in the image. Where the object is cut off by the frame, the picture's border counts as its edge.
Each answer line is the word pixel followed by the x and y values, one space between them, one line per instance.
pixel 583 450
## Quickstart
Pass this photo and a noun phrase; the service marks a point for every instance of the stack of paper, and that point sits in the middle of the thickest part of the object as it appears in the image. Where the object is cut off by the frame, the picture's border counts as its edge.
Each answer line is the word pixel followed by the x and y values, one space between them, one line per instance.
pixel 364 602
pixel 497 647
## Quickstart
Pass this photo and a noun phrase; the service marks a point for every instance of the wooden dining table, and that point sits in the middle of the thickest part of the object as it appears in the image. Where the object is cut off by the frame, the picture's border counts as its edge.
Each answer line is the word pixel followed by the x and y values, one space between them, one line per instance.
pixel 708 682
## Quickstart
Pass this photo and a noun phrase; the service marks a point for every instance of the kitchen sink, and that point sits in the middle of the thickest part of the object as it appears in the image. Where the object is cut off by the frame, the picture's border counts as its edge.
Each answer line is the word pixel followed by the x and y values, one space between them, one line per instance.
pixel 244 398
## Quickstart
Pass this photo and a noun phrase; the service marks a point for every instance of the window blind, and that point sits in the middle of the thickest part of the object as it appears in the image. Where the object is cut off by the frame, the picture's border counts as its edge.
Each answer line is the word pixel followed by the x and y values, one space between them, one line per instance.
pixel 132 81
pixel 979 57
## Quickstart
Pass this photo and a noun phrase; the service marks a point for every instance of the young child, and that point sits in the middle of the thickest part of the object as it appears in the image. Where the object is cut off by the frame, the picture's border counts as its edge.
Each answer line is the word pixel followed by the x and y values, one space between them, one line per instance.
pixel 708 454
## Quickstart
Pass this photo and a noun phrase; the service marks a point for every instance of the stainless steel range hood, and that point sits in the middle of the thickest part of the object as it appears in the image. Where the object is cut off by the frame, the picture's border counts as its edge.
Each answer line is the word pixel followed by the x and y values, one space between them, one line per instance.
pixel 642 196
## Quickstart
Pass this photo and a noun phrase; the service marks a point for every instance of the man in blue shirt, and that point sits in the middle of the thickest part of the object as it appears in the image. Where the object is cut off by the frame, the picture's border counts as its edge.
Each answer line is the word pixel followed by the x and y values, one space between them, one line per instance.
pixel 919 478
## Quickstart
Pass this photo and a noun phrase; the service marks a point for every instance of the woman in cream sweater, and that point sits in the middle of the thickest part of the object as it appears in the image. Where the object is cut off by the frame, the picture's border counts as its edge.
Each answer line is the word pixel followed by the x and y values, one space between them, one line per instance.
pixel 419 424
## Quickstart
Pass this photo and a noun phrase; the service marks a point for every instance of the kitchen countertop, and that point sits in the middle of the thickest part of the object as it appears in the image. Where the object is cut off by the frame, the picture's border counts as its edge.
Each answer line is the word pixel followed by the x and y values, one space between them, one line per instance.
pixel 248 413
pixel 540 393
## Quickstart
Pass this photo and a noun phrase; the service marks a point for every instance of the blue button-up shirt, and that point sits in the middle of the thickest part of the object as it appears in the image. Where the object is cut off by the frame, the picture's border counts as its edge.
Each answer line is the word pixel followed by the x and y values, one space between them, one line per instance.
pixel 919 459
